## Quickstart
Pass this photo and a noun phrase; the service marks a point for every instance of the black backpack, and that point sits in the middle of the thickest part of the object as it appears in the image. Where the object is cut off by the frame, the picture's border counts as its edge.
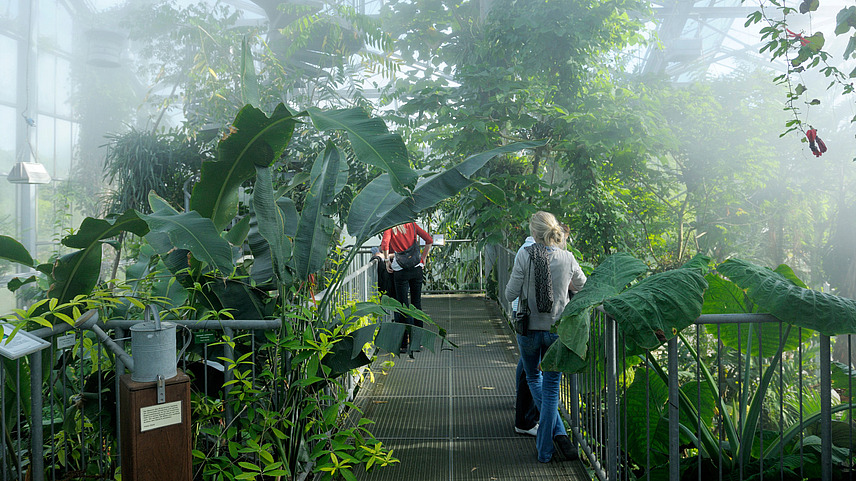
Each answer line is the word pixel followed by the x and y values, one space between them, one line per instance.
pixel 411 257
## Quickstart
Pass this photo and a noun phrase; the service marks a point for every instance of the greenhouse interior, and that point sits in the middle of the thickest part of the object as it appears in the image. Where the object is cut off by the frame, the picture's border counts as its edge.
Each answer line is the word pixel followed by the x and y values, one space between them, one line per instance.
pixel 428 240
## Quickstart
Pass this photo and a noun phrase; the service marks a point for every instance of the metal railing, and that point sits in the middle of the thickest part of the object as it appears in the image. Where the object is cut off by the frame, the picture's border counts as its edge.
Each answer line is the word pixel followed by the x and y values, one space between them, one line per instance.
pixel 68 425
pixel 456 266
pixel 685 410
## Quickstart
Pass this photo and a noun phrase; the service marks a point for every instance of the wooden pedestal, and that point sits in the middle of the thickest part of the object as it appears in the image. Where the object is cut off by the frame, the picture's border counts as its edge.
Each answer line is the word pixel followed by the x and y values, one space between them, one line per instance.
pixel 154 446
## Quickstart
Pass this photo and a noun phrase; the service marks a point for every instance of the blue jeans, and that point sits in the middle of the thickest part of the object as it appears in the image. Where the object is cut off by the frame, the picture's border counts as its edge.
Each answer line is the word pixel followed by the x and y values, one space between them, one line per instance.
pixel 545 390
pixel 525 410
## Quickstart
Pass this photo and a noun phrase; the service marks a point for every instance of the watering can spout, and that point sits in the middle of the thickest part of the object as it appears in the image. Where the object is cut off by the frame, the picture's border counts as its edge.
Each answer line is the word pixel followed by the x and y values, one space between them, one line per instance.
pixel 89 321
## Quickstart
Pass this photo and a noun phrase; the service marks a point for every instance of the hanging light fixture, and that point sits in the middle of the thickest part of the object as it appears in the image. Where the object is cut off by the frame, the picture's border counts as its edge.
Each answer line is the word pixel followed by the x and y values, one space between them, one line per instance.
pixel 29 173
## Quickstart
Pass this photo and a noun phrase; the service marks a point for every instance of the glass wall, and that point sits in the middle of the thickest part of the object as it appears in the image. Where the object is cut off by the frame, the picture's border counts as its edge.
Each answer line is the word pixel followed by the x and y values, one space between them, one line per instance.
pixel 35 94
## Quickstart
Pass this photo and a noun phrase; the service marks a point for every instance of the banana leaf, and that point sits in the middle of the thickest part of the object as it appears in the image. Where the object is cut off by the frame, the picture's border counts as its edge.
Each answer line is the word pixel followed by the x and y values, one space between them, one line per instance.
pixel 315 228
pixel 14 251
pixel 255 139
pixel 78 272
pixel 249 79
pixel 378 207
pixel 191 231
pixel 238 233
pixel 372 142
pixel 270 223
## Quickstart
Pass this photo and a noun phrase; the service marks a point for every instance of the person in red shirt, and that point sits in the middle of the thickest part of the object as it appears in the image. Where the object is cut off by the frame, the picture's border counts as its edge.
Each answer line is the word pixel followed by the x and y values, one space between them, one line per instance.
pixel 407 268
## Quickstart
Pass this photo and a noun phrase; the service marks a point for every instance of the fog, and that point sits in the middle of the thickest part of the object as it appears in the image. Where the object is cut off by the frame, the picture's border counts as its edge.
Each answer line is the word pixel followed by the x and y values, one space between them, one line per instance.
pixel 82 73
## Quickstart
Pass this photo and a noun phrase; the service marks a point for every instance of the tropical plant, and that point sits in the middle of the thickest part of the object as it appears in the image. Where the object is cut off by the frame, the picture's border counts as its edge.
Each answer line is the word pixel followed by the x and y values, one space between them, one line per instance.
pixel 498 71
pixel 659 307
pixel 314 345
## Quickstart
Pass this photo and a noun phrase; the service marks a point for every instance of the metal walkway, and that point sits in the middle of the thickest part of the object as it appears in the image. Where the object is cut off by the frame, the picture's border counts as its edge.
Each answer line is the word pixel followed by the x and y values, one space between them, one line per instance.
pixel 450 415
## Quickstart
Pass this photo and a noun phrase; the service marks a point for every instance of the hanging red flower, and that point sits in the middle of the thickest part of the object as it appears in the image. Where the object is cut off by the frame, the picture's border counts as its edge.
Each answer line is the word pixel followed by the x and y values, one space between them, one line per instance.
pixel 814 143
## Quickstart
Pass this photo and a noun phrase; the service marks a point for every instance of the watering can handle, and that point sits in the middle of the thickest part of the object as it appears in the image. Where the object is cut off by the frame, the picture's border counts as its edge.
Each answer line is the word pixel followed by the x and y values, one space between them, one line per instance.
pixel 151 311
pixel 186 343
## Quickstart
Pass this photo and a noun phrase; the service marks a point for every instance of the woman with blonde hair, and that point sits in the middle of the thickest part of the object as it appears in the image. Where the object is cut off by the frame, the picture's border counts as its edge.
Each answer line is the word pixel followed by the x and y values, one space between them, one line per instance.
pixel 542 277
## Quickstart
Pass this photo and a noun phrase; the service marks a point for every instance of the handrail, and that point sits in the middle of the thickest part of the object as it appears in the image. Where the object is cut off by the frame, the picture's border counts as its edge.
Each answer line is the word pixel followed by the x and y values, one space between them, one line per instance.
pixel 358 285
pixel 599 417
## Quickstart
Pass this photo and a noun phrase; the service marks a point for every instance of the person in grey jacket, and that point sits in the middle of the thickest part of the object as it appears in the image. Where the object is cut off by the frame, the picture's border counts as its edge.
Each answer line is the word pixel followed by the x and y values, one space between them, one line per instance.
pixel 544 273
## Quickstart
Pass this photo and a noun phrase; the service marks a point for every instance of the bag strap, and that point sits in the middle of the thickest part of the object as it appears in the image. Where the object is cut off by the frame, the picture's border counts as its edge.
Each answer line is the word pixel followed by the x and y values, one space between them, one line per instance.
pixel 524 296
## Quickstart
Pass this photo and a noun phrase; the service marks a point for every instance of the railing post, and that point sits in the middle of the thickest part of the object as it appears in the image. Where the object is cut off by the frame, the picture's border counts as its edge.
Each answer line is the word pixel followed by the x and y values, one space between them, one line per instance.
pixel 37 458
pixel 117 382
pixel 674 422
pixel 481 271
pixel 825 410
pixel 611 400
pixel 228 374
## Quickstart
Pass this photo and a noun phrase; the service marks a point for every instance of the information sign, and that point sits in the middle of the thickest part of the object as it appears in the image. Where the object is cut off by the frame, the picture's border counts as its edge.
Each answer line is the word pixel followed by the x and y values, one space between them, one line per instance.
pixel 160 415
pixel 21 344
pixel 204 337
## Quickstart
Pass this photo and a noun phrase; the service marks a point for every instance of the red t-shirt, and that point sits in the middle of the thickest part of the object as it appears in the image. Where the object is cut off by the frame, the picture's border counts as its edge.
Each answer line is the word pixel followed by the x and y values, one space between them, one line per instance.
pixel 401 242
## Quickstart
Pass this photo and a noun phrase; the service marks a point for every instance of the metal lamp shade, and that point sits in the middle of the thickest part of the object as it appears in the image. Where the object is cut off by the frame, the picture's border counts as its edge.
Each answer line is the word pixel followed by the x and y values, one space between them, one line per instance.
pixel 28 173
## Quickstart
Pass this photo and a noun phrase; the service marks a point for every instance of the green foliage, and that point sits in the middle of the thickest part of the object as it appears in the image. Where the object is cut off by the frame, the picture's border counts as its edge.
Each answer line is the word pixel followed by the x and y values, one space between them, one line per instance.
pixel 257 140
pixel 138 162
pixel 521 71
pixel 14 251
pixel 798 306
pixel 781 42
pixel 656 308
pixel 294 412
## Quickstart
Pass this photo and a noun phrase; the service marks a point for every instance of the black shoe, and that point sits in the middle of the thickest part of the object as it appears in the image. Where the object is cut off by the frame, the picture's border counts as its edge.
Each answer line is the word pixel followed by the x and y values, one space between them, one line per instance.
pixel 565 447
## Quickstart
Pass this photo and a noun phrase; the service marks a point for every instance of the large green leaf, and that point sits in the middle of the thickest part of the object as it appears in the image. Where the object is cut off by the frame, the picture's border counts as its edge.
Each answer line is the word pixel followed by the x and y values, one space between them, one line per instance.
pixel 777 295
pixel 647 429
pixel 93 230
pixel 255 140
pixel 249 80
pixel 78 272
pixel 14 251
pixel 238 233
pixel 765 336
pixel 372 142
pixel 560 358
pixel 658 307
pixel 242 300
pixel 191 231
pixel 340 360
pixel 74 274
pixel 262 270
pixel 315 229
pixel 271 222
pixel 378 207
pixel 16 283
pixel 607 280
pixel 724 297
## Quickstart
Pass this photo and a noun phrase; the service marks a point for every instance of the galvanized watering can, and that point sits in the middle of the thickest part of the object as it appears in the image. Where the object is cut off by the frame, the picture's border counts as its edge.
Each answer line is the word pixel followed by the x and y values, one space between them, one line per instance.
pixel 152 346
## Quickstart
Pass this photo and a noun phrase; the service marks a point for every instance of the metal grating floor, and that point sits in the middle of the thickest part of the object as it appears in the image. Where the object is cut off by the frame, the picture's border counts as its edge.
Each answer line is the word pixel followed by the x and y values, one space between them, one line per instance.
pixel 449 415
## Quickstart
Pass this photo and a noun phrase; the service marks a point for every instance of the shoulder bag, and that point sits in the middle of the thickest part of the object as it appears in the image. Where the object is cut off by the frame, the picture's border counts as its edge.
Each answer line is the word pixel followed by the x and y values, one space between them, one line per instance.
pixel 411 257
pixel 521 322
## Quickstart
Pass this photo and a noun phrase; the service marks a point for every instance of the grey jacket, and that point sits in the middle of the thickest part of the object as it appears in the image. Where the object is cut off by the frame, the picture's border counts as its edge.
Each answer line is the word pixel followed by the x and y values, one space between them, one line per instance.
pixel 566 274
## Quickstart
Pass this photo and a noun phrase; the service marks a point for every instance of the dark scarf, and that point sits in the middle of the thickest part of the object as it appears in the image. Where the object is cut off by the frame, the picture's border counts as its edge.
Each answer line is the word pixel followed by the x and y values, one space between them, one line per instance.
pixel 543 277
